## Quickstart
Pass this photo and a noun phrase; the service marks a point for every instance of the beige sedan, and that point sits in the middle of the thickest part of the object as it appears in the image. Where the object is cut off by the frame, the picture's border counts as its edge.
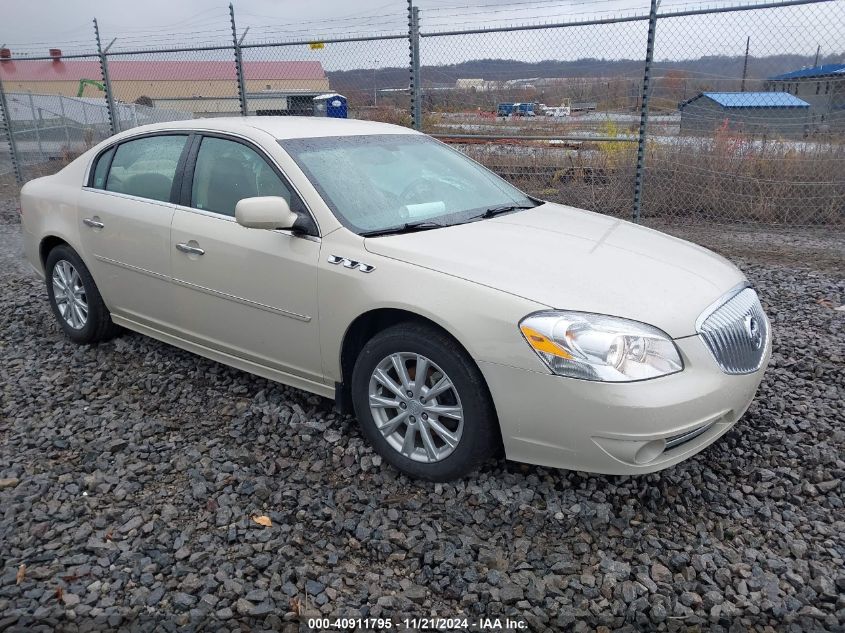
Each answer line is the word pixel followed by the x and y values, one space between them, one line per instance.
pixel 455 315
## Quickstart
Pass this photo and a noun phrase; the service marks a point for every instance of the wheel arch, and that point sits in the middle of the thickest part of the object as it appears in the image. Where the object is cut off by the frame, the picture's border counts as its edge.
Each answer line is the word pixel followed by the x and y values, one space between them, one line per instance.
pixel 47 244
pixel 53 239
pixel 364 327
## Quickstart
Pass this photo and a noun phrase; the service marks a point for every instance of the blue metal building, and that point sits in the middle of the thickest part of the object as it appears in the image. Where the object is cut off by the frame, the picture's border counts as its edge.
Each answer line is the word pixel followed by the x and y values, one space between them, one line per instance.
pixel 777 114
pixel 823 87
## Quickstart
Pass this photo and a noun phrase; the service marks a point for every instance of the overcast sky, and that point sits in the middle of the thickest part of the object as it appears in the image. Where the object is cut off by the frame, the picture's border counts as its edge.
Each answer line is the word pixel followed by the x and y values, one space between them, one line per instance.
pixel 26 21
pixel 31 27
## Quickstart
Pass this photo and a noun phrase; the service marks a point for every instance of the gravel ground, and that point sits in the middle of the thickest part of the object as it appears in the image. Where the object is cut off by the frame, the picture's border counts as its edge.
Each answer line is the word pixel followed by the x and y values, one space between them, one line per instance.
pixel 130 472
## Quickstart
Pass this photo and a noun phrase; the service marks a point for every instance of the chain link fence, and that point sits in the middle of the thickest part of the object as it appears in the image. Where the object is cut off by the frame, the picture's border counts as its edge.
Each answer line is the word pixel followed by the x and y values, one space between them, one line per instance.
pixel 732 114
pixel 759 138
pixel 203 85
pixel 54 129
pixel 561 130
pixel 358 69
pixel 46 130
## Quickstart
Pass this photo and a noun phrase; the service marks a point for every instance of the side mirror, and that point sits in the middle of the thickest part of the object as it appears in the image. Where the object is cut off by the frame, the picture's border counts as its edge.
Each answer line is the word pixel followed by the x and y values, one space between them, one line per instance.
pixel 265 212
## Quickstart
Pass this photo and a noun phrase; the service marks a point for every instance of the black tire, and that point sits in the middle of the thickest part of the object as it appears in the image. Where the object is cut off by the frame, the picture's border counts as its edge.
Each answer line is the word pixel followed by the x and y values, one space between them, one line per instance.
pixel 98 326
pixel 480 439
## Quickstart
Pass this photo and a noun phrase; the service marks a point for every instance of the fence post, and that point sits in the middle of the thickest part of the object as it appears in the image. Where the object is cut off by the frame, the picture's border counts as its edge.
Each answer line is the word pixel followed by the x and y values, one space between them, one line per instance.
pixel 641 140
pixel 10 136
pixel 114 123
pixel 35 120
pixel 239 64
pixel 414 41
pixel 64 121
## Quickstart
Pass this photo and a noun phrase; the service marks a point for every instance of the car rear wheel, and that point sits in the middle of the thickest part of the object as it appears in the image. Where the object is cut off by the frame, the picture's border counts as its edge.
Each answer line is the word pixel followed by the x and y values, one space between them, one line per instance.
pixel 74 298
pixel 422 403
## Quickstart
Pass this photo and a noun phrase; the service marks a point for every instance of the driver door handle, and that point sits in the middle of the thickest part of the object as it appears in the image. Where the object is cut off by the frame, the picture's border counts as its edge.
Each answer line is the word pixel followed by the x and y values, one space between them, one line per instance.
pixel 187 248
pixel 94 224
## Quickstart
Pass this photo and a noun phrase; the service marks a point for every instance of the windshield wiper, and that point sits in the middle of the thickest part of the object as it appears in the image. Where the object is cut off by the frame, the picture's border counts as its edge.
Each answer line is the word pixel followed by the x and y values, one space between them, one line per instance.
pixel 408 227
pixel 505 208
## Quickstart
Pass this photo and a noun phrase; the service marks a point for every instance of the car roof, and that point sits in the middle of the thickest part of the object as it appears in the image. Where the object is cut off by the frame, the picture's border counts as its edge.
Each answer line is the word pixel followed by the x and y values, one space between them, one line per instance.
pixel 280 127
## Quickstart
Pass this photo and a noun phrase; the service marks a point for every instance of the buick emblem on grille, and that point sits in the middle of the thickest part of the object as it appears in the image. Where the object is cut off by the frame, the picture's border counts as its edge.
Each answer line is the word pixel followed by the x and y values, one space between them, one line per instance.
pixel 752 328
pixel 736 331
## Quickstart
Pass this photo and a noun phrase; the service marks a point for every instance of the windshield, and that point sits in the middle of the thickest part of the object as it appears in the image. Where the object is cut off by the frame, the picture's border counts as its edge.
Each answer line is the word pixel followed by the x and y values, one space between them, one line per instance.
pixel 377 182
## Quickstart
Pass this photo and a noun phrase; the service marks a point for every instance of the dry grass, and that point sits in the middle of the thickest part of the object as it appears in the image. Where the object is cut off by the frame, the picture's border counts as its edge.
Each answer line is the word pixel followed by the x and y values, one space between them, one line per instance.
pixel 740 179
pixel 721 179
pixel 724 179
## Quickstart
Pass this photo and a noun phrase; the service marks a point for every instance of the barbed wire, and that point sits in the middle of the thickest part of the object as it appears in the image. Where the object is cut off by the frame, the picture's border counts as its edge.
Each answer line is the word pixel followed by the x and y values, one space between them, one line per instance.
pixel 353 25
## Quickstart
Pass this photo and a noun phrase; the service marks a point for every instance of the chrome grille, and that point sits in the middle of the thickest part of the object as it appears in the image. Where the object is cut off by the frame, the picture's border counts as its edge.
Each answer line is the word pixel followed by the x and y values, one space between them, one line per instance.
pixel 736 332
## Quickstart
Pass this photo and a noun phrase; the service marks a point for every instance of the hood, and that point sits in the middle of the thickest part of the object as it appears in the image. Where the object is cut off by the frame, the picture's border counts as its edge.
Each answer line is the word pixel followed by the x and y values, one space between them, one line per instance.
pixel 570 259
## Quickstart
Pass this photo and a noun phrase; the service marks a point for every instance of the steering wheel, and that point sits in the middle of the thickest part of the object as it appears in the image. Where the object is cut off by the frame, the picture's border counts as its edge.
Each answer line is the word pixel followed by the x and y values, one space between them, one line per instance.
pixel 418 190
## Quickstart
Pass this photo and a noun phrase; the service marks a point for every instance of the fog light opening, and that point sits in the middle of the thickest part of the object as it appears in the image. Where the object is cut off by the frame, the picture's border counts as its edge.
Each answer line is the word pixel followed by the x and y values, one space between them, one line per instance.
pixel 650 451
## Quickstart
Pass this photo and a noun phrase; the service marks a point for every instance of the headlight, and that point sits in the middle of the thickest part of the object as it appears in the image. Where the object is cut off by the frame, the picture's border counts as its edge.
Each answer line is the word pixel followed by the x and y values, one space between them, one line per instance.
pixel 599 347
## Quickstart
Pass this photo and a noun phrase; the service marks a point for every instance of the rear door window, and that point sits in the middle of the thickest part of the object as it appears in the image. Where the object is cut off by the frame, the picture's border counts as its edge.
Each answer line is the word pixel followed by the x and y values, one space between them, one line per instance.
pixel 146 167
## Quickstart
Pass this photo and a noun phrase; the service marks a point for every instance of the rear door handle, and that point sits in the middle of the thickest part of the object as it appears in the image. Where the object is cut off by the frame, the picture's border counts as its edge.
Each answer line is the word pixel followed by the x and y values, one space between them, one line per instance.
pixel 187 248
pixel 94 224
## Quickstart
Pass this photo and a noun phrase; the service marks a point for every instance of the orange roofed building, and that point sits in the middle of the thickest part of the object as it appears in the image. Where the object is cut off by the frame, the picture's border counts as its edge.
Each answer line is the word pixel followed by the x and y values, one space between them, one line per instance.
pixel 178 83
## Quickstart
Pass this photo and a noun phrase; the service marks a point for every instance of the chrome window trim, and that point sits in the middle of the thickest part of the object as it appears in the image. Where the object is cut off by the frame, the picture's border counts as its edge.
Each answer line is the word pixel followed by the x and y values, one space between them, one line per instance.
pixel 188 132
pixel 228 218
pixel 129 196
pixel 211 214
pixel 124 139
pixel 267 157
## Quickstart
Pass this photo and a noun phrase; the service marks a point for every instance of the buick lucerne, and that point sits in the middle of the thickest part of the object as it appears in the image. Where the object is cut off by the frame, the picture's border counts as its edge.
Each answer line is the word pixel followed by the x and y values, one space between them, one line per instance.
pixel 456 316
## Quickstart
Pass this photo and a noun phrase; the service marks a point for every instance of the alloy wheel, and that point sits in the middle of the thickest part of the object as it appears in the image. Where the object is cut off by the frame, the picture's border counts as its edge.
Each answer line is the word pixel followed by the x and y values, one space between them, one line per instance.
pixel 69 294
pixel 416 407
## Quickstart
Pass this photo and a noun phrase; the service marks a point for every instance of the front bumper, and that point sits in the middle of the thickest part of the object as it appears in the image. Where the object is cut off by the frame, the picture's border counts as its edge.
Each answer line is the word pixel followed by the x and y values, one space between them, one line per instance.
pixel 619 428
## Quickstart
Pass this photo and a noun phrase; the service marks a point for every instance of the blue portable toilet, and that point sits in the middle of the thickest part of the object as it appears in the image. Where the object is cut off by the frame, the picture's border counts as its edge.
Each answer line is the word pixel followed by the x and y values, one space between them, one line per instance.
pixel 331 105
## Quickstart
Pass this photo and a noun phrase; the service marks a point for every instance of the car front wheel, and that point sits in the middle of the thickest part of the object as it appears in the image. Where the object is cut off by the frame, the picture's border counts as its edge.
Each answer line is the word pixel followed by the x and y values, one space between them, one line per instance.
pixel 422 403
pixel 74 298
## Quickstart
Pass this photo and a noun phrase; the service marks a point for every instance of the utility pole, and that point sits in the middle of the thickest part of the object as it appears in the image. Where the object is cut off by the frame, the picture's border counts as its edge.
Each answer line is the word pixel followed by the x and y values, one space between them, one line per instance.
pixel 745 64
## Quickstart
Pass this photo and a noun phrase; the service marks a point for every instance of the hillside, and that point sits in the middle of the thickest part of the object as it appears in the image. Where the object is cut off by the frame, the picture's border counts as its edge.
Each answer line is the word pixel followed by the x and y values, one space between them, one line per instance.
pixel 505 69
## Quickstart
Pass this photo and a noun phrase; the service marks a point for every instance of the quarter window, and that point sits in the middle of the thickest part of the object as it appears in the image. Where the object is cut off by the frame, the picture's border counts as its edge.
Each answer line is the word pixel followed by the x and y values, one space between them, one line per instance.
pixel 101 169
pixel 146 166
pixel 228 171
